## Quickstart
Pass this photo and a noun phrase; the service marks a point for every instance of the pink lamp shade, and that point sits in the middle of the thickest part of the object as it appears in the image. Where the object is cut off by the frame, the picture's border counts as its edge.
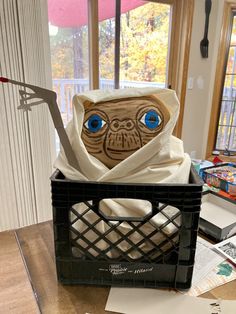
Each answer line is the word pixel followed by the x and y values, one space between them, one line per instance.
pixel 73 13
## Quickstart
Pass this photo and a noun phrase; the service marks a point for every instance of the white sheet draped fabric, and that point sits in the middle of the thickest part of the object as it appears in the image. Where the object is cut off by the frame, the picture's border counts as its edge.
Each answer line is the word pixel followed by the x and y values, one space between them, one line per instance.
pixel 162 160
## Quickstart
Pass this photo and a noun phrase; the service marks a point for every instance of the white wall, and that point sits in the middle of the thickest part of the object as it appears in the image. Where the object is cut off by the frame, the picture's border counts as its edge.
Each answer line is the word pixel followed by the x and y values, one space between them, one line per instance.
pixel 199 99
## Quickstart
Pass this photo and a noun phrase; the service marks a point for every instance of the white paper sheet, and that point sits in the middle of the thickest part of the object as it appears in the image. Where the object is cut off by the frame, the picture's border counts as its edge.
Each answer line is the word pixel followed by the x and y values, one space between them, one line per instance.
pixel 227 248
pixel 205 260
pixel 151 301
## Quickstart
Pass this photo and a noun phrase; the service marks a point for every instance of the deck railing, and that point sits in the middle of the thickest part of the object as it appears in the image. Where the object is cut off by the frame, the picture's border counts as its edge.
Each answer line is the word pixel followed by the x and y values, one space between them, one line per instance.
pixel 67 88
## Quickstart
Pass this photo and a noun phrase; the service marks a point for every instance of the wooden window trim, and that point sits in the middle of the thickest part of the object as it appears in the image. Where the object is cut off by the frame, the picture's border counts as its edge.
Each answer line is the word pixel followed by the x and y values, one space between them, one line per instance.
pixel 93 44
pixel 117 44
pixel 182 19
pixel 229 7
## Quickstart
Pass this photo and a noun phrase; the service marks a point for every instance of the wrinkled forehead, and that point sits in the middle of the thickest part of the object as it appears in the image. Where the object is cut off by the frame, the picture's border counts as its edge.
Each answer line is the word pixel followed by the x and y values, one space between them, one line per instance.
pixel 126 107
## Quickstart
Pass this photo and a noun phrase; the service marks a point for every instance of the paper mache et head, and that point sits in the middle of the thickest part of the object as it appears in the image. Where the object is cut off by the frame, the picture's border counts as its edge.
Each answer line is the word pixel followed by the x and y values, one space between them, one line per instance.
pixel 115 129
pixel 112 130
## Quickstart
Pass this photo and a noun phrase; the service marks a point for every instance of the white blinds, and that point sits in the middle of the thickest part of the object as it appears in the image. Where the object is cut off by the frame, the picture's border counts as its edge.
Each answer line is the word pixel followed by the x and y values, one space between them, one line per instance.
pixel 26 138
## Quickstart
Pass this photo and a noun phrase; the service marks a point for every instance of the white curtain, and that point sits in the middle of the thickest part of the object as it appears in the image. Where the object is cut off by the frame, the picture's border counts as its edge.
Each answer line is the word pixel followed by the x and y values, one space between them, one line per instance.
pixel 26 138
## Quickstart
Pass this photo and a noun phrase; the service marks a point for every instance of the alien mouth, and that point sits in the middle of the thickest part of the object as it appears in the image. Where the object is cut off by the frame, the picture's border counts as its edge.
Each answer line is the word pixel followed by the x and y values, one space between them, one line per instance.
pixel 122 151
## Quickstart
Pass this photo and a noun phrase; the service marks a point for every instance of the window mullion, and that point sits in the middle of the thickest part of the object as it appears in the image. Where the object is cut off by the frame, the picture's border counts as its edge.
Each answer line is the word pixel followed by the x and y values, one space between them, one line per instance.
pixel 93 44
pixel 117 45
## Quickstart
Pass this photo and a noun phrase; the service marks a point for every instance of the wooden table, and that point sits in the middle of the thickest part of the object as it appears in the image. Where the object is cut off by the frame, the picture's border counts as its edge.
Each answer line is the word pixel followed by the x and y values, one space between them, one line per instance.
pixel 35 246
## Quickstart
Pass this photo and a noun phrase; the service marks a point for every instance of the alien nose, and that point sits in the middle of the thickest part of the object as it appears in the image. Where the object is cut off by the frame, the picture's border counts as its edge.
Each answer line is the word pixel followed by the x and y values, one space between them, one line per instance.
pixel 126 124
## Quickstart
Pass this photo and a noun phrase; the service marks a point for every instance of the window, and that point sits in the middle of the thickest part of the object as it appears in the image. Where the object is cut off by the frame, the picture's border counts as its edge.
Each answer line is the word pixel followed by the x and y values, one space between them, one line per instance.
pixel 117 44
pixel 226 133
pixel 143 46
pixel 222 131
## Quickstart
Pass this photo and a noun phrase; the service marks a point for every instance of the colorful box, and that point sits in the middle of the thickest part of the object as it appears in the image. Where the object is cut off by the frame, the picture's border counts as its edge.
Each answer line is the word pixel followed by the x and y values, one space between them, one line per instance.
pixel 222 176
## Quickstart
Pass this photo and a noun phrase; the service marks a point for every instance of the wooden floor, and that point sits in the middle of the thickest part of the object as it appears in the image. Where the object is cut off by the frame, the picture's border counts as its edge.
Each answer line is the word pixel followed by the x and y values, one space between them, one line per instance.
pixel 28 278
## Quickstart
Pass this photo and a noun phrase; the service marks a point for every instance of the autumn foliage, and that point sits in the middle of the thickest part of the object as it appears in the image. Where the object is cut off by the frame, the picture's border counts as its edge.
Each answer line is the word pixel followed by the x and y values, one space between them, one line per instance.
pixel 143 47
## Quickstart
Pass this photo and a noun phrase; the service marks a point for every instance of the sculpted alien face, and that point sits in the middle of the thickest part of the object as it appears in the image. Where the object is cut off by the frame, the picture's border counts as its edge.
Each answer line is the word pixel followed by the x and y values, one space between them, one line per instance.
pixel 114 130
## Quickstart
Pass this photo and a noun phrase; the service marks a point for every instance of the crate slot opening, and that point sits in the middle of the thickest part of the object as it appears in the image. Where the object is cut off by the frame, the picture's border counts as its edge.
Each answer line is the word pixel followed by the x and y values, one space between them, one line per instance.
pixel 154 238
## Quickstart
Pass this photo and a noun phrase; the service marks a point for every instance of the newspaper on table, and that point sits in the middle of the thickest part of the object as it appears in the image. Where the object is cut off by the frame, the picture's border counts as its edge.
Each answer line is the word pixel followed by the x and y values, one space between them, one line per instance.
pixel 211 269
pixel 205 260
pixel 220 275
pixel 227 248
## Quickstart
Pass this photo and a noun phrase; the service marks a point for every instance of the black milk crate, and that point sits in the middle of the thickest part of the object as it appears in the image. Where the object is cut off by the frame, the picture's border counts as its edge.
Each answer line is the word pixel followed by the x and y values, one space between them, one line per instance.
pixel 158 267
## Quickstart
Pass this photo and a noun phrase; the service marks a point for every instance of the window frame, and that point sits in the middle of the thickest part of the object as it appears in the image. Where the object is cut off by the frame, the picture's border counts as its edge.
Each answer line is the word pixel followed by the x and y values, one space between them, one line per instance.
pixel 180 39
pixel 226 29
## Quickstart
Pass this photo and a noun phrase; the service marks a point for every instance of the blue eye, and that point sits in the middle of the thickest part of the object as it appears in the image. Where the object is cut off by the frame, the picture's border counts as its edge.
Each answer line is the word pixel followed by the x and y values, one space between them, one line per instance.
pixel 94 123
pixel 151 119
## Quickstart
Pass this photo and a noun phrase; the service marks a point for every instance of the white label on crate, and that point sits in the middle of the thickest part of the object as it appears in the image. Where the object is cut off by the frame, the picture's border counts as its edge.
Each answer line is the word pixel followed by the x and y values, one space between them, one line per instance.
pixel 143 270
pixel 117 269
